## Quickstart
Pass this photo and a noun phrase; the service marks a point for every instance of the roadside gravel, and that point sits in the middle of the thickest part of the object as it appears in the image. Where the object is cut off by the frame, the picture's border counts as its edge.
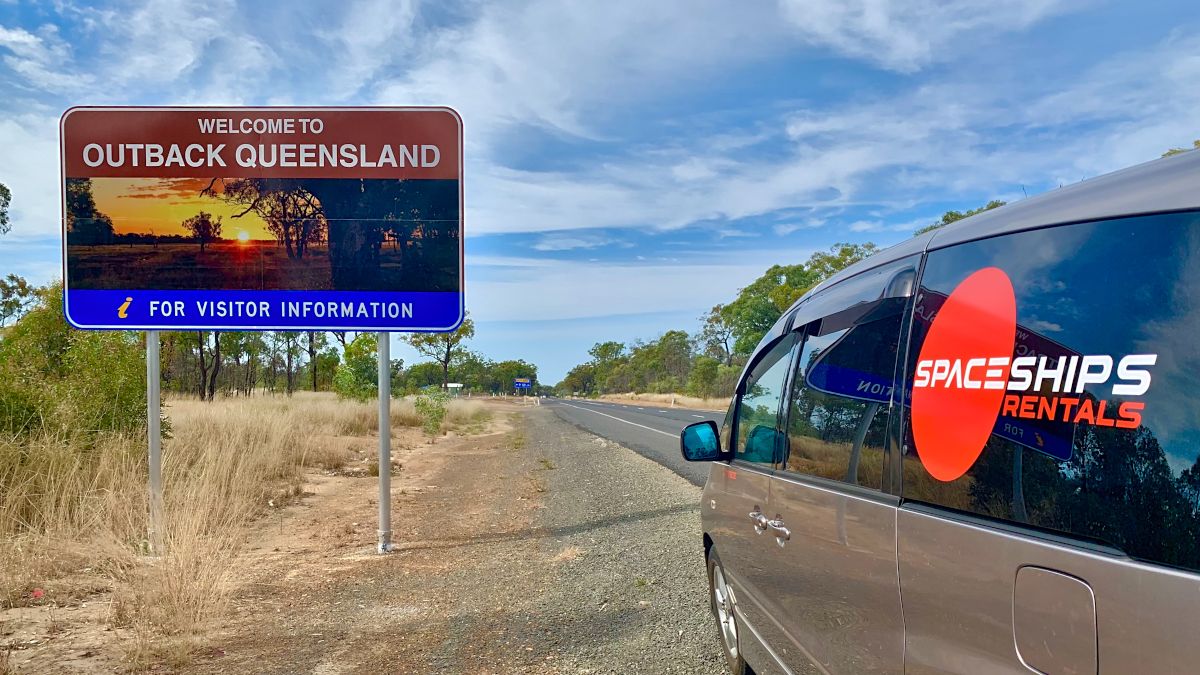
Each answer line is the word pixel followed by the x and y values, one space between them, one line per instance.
pixel 635 597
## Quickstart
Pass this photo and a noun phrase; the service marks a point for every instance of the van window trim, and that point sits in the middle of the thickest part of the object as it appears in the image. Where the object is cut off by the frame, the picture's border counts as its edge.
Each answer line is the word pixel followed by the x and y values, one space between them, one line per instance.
pixel 783 399
pixel 889 486
pixel 893 457
pixel 781 470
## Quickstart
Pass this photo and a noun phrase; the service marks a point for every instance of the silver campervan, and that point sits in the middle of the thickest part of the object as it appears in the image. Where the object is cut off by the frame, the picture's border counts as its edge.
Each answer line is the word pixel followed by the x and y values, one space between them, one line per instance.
pixel 976 451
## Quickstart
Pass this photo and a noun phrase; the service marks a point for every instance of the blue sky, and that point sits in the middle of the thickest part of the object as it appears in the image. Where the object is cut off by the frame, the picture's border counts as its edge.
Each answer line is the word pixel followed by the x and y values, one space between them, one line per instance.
pixel 631 164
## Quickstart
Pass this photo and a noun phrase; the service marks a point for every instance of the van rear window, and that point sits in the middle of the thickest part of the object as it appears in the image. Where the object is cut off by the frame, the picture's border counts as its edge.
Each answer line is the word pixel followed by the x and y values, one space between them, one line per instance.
pixel 1053 380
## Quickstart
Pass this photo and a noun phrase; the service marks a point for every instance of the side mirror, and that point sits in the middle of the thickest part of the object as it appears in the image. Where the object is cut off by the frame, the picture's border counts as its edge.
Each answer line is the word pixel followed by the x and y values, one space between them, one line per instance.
pixel 700 442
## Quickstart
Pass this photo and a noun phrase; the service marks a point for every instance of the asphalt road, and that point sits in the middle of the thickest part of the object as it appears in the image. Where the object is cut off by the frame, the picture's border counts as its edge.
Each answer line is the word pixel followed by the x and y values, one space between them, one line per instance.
pixel 650 430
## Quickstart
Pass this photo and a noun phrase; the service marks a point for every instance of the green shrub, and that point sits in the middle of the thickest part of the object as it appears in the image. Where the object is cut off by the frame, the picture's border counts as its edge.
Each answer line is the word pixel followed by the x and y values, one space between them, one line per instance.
pixel 703 378
pixel 357 376
pixel 62 381
pixel 431 406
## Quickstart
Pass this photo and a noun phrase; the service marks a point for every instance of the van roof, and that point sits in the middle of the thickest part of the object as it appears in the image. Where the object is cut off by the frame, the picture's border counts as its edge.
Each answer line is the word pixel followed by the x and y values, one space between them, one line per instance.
pixel 1167 184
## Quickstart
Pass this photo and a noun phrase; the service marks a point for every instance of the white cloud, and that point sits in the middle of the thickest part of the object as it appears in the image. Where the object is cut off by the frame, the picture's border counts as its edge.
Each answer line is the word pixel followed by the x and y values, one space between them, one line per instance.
pixel 694 169
pixel 733 232
pixel 547 64
pixel 907 35
pixel 371 35
pixel 1143 103
pixel 784 229
pixel 29 166
pixel 569 242
pixel 152 51
pixel 907 226
pixel 41 60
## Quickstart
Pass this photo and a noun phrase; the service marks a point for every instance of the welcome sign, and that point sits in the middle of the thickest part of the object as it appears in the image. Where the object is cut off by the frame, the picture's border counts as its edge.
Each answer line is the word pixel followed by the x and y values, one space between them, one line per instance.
pixel 262 218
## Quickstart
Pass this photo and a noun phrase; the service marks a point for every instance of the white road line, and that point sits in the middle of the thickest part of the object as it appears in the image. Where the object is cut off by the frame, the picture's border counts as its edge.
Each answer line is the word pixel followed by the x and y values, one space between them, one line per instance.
pixel 700 416
pixel 660 431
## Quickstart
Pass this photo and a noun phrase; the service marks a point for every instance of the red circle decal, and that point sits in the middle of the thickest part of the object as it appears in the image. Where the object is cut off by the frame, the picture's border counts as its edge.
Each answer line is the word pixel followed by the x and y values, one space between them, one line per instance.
pixel 951 423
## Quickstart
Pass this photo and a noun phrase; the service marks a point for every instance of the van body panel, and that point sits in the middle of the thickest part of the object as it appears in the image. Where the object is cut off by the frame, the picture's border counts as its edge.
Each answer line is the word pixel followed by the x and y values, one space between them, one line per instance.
pixel 959 581
pixel 839 600
pixel 764 659
pixel 737 489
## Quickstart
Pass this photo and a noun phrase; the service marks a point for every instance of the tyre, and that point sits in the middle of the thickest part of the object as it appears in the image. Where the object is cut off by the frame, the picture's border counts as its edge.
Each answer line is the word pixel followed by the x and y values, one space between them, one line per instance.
pixel 724 610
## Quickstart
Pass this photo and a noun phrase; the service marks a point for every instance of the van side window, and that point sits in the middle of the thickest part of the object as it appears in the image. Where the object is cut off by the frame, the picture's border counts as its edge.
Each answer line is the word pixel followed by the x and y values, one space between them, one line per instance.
pixel 759 438
pixel 841 394
pixel 1084 420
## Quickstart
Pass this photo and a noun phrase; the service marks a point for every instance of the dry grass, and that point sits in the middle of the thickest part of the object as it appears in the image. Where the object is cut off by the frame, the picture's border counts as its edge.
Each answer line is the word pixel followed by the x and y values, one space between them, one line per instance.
pixel 666 400
pixel 73 516
pixel 466 415
pixel 353 418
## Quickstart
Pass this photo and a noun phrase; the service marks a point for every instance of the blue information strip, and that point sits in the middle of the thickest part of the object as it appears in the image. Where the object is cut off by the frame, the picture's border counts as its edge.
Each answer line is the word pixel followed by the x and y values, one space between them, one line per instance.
pixel 263 310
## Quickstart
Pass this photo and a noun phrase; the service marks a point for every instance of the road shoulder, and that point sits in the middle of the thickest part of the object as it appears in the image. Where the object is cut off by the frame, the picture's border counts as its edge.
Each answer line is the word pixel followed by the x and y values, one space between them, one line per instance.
pixel 535 549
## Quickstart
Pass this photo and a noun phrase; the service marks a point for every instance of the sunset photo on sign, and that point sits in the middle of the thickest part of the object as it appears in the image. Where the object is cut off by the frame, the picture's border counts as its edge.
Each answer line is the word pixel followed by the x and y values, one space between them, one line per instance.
pixel 262 234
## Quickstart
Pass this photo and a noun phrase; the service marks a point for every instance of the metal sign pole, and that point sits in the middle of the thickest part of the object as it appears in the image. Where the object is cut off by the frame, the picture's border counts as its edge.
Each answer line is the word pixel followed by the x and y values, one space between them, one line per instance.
pixel 154 435
pixel 385 442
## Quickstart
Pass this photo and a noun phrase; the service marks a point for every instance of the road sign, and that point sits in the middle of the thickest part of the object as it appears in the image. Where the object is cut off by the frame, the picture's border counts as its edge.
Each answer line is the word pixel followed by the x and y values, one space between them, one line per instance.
pixel 263 218
pixel 522 383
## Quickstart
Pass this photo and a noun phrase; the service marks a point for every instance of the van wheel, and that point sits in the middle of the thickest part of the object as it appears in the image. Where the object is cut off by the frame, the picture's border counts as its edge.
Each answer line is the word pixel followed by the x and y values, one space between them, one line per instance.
pixel 723 608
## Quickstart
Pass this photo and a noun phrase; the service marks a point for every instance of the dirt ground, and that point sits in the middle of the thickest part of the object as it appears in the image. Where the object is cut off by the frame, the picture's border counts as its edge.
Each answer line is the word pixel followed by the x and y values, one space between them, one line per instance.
pixel 531 548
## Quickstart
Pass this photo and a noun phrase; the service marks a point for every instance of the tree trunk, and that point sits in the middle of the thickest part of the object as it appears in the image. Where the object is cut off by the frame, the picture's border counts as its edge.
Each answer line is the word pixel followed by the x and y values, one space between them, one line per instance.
pixel 216 366
pixel 312 357
pixel 446 365
pixel 290 378
pixel 201 339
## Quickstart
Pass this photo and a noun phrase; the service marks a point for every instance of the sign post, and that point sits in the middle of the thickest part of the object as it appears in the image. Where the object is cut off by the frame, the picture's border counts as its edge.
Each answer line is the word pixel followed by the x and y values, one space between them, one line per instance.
pixel 385 443
pixel 285 219
pixel 154 435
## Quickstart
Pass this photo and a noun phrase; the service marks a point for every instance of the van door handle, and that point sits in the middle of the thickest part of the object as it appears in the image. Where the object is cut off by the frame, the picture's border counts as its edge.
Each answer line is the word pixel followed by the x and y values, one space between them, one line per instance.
pixel 781 532
pixel 760 521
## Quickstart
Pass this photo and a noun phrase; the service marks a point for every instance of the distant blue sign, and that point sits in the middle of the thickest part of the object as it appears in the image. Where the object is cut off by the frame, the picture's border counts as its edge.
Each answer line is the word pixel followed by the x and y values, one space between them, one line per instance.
pixel 522 383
